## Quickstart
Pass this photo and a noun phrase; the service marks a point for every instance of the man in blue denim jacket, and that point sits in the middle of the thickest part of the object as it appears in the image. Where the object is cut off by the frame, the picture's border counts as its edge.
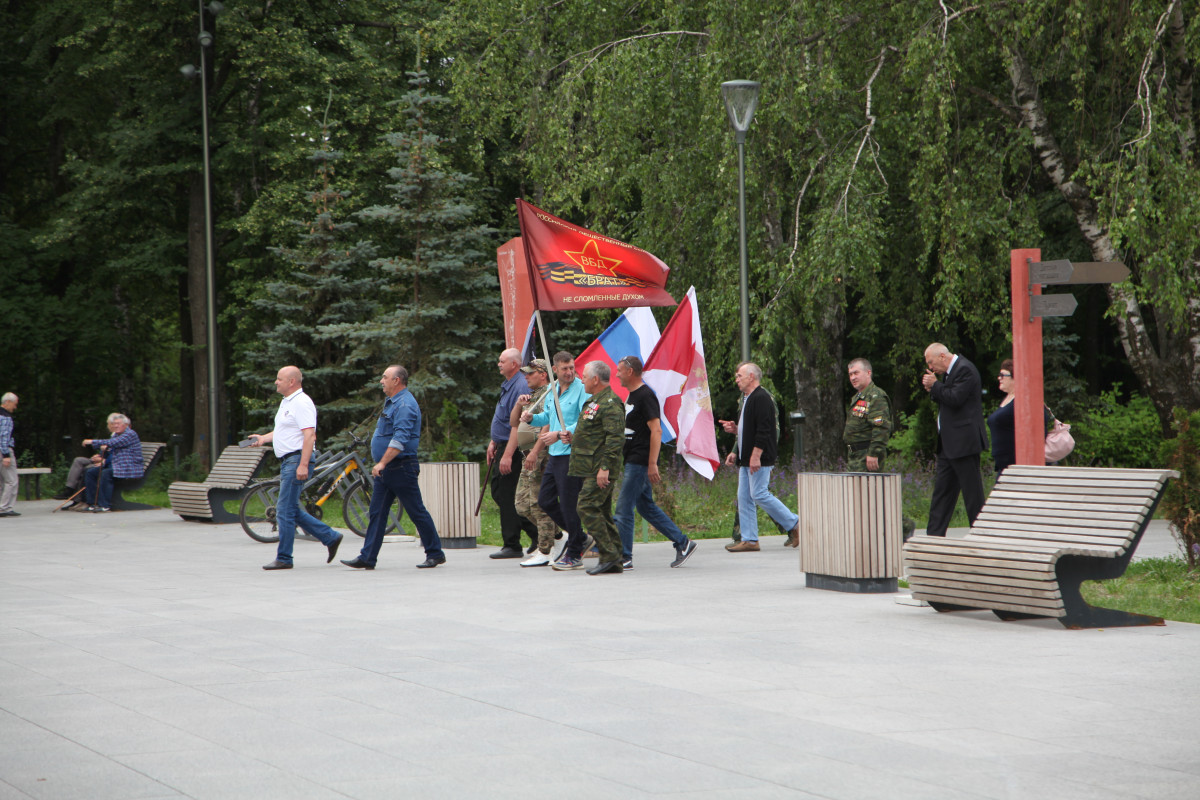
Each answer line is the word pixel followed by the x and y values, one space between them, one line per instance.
pixel 394 449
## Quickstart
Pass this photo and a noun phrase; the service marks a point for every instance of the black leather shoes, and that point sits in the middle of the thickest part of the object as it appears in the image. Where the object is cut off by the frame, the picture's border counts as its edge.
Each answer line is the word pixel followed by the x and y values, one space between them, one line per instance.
pixel 607 566
pixel 430 563
pixel 277 564
pixel 333 549
pixel 358 563
pixel 508 552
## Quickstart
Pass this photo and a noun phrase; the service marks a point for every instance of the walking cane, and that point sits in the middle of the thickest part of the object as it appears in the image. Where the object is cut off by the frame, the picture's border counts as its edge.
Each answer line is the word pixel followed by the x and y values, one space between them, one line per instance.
pixel 70 500
pixel 483 489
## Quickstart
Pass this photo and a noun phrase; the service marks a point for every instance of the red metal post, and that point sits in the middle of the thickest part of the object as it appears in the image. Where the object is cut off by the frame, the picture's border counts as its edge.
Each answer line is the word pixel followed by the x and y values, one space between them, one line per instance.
pixel 1027 363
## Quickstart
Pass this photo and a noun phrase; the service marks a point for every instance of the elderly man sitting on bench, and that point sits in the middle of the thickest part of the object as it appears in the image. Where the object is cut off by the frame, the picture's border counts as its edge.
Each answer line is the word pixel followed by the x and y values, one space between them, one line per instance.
pixel 123 459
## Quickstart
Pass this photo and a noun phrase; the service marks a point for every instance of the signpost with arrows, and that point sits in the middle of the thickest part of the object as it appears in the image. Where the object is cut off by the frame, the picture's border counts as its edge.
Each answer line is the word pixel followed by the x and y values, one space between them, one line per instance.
pixel 1029 305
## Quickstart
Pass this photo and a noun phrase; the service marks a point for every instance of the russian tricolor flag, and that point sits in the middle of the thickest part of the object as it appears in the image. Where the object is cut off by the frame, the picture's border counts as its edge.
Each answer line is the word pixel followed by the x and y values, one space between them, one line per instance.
pixel 635 333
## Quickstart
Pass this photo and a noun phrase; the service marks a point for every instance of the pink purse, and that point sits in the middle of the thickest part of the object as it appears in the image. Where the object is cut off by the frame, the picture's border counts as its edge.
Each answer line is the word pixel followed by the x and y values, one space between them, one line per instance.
pixel 1059 442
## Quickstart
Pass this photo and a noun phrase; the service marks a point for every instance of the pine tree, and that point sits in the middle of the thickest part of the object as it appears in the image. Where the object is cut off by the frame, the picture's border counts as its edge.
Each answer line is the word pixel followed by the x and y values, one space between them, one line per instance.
pixel 444 324
pixel 326 284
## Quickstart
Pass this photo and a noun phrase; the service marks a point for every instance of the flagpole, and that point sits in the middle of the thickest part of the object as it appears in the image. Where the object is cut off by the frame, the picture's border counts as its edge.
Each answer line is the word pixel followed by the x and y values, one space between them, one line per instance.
pixel 537 315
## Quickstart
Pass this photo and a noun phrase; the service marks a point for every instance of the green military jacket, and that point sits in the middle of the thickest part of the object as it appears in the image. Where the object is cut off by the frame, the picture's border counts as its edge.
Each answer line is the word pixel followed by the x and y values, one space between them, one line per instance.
pixel 869 421
pixel 599 436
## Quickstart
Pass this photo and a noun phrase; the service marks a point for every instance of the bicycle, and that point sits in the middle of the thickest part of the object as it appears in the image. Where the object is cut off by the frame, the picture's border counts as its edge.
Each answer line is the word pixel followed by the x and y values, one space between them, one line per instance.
pixel 341 473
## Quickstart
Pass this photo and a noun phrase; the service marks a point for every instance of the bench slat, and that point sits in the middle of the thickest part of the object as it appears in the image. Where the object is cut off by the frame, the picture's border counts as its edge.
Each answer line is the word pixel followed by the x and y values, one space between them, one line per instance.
pixel 999 583
pixel 986 601
pixel 1126 522
pixel 942 561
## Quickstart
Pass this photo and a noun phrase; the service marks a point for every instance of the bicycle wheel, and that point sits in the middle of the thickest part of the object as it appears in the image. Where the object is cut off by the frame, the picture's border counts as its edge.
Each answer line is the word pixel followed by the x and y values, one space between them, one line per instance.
pixel 258 512
pixel 356 510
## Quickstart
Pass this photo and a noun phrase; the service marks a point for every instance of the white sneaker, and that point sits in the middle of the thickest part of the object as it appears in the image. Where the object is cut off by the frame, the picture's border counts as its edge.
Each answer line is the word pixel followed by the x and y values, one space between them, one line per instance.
pixel 538 559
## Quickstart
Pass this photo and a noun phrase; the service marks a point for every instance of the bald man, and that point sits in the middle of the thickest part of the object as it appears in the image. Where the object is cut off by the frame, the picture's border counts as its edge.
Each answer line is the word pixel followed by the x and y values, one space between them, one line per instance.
pixel 507 472
pixel 294 436
pixel 961 435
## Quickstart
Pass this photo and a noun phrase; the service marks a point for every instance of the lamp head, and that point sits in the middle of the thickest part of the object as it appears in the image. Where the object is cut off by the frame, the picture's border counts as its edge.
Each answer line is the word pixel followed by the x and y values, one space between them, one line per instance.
pixel 741 99
pixel 206 39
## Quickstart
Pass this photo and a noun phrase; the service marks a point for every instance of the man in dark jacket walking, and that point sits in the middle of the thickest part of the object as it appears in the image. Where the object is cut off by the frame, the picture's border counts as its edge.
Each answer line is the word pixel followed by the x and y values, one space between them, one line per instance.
pixel 755 456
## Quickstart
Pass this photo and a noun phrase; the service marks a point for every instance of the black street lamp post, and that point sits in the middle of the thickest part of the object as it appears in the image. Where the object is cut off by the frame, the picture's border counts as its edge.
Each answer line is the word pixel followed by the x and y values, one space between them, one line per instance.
pixel 741 98
pixel 210 289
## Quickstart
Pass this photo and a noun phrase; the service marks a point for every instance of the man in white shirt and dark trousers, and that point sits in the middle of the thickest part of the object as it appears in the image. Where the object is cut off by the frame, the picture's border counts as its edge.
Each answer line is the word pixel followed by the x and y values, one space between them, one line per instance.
pixel 294 436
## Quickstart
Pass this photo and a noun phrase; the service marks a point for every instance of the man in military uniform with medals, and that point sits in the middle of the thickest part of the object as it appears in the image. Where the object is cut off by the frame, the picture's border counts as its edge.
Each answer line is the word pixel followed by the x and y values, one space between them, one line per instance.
pixel 868 422
pixel 596 457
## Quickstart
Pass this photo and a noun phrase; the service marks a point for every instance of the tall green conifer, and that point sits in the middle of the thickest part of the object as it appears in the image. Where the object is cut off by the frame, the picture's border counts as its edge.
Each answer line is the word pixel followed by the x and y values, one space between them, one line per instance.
pixel 441 319
pixel 327 286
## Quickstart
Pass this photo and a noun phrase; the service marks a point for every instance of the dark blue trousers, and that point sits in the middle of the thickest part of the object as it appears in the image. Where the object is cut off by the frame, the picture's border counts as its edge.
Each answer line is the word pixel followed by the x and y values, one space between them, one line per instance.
pixel 399 480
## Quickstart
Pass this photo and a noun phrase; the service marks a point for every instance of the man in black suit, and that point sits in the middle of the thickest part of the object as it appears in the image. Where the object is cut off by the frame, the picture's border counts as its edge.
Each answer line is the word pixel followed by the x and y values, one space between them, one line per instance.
pixel 961 435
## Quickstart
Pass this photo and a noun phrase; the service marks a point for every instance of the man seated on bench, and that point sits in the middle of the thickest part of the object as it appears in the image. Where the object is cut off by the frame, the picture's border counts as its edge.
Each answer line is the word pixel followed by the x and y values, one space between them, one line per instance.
pixel 74 482
pixel 123 459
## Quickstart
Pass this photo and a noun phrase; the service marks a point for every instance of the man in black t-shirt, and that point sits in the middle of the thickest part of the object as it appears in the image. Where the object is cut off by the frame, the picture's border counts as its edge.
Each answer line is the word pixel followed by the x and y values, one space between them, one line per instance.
pixel 643 438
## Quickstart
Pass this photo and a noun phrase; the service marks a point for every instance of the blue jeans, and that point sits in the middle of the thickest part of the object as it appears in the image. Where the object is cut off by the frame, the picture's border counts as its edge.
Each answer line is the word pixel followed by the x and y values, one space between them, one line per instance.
pixel 636 491
pixel 289 514
pixel 399 480
pixel 102 476
pixel 754 490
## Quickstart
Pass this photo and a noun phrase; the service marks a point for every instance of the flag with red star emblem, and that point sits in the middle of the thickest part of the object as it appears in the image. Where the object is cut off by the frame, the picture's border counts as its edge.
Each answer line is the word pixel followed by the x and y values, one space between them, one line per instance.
pixel 571 267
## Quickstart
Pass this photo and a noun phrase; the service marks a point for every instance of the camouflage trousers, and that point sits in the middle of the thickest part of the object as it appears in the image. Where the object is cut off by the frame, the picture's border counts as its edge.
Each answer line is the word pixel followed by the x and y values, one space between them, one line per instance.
pixel 595 513
pixel 527 506
pixel 856 461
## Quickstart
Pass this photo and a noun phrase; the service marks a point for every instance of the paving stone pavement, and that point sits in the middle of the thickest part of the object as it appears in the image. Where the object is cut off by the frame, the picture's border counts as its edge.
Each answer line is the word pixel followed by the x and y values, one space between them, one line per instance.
pixel 142 656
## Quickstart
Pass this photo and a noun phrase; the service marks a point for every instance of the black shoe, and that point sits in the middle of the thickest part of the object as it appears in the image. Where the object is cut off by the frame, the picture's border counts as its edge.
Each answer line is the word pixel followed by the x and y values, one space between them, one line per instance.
pixel 532 546
pixel 358 563
pixel 607 566
pixel 430 563
pixel 65 494
pixel 508 552
pixel 333 549
pixel 10 513
pixel 277 564
pixel 627 564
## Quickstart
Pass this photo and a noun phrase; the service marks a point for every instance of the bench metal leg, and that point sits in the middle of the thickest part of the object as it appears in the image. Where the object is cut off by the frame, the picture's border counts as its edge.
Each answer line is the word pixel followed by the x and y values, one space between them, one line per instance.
pixel 1010 616
pixel 1072 571
pixel 937 606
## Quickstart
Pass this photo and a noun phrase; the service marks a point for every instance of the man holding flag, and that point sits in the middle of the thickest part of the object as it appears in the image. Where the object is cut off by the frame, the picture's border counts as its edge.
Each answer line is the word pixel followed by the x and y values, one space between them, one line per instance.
pixel 643 433
pixel 506 473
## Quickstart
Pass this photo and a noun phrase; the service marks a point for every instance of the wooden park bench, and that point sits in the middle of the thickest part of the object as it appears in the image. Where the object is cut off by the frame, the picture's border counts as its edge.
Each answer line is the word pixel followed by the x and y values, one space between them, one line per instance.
pixel 152 453
pixel 233 472
pixel 36 473
pixel 1042 533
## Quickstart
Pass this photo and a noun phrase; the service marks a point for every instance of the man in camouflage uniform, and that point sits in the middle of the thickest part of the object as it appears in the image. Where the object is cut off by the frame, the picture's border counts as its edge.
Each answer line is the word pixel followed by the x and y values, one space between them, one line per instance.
pixel 868 422
pixel 537 375
pixel 596 448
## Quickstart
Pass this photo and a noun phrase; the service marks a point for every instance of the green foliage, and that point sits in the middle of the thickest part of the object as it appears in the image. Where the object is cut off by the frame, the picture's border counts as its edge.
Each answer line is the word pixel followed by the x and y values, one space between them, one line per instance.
pixel 448 440
pixel 439 302
pixel 1181 503
pixel 1115 434
pixel 324 284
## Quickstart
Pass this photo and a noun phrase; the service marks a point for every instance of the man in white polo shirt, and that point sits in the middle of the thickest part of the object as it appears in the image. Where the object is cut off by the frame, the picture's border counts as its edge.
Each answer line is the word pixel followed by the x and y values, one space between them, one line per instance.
pixel 294 435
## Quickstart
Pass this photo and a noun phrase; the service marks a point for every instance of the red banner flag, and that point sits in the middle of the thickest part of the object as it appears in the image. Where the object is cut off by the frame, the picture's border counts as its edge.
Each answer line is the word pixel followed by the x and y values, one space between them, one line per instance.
pixel 571 267
pixel 516 295
pixel 677 373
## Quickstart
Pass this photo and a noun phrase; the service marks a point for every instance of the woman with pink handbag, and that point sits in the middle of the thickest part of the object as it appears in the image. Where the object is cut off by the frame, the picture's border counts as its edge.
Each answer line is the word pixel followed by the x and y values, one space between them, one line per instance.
pixel 1001 422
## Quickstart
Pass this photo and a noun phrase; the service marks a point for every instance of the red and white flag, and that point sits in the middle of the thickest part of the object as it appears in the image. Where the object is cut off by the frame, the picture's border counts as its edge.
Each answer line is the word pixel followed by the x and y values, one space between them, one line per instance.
pixel 677 374
pixel 571 267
